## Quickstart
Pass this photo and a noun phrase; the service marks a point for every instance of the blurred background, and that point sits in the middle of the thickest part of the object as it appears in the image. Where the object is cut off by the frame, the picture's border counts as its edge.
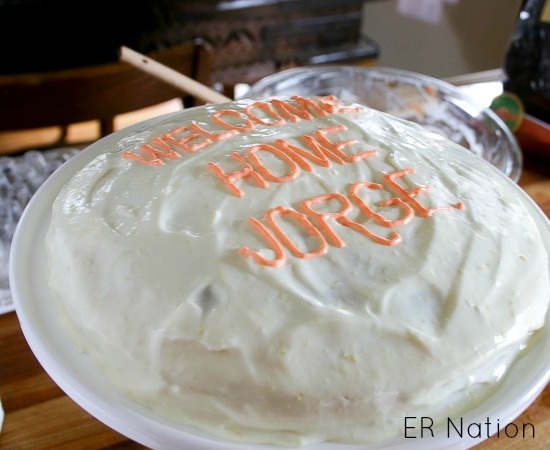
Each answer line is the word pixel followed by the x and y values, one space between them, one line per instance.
pixel 441 38
pixel 41 40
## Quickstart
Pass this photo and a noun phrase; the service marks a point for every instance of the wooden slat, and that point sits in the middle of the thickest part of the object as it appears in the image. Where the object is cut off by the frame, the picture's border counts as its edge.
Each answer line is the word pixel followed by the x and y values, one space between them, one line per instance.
pixel 94 93
pixel 57 423
pixel 38 414
pixel 538 415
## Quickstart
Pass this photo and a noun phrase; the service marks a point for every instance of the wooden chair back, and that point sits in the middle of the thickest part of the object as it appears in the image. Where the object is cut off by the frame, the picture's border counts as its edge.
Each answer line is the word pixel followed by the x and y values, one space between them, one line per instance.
pixel 99 92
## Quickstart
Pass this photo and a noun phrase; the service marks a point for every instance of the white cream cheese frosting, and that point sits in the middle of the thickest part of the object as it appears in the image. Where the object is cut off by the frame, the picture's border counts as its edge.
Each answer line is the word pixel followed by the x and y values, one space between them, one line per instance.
pixel 296 270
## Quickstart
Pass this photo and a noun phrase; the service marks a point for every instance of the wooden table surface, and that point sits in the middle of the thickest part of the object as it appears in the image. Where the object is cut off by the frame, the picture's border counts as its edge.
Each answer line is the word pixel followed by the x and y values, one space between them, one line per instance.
pixel 38 415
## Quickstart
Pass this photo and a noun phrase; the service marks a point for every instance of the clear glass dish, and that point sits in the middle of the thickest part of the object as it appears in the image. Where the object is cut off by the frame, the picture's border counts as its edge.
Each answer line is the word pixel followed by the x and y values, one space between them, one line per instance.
pixel 432 103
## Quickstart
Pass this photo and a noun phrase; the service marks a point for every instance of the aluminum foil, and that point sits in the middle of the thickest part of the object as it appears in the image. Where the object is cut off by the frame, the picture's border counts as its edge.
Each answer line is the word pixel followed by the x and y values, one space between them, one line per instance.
pixel 20 178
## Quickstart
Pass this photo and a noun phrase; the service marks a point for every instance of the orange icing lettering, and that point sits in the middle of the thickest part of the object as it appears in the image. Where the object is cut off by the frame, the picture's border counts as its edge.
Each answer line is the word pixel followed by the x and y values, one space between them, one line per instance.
pixel 200 138
pixel 280 257
pixel 214 136
pixel 408 213
pixel 309 104
pixel 298 154
pixel 331 104
pixel 265 171
pixel 229 179
pixel 291 112
pixel 267 108
pixel 319 150
pixel 342 219
pixel 248 125
pixel 183 142
pixel 341 216
pixel 323 217
pixel 431 91
pixel 153 153
pixel 308 226
pixel 394 240
pixel 410 196
pixel 337 147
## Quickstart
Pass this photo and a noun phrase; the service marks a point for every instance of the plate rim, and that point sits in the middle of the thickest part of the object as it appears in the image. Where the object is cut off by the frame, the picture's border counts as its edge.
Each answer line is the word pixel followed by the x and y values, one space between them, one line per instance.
pixel 130 418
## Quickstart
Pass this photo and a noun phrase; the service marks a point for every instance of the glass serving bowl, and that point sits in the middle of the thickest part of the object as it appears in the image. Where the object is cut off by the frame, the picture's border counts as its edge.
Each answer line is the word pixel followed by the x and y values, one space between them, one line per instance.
pixel 434 104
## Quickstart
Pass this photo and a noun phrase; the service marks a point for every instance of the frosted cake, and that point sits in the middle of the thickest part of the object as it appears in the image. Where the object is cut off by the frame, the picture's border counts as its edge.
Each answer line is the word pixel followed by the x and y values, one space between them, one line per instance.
pixel 293 271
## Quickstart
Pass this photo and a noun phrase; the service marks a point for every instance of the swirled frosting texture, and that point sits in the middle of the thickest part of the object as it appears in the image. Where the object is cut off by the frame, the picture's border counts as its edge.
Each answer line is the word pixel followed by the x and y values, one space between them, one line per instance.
pixel 384 309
